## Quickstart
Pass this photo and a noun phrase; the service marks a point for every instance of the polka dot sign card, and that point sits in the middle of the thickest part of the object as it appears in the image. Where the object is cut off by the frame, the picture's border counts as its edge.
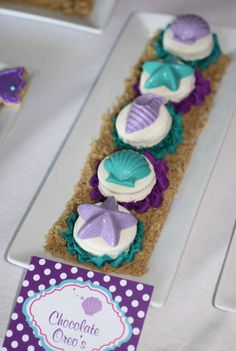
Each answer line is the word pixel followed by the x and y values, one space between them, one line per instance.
pixel 66 308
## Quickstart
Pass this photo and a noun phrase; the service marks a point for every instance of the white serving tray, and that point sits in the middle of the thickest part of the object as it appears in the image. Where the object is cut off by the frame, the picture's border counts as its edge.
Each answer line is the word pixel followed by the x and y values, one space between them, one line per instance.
pixel 225 297
pixel 95 22
pixel 58 187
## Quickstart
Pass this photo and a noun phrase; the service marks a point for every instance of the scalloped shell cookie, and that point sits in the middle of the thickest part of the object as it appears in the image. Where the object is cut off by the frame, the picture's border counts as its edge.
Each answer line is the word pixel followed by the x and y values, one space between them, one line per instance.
pixel 189 37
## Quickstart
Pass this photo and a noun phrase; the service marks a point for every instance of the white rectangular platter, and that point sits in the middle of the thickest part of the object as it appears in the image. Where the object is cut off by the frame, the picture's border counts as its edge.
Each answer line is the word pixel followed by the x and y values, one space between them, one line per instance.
pixel 95 22
pixel 225 297
pixel 58 187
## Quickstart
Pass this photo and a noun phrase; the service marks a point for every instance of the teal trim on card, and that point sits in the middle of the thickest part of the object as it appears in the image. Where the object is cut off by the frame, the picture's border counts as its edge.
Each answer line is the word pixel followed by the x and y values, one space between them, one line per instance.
pixel 81 283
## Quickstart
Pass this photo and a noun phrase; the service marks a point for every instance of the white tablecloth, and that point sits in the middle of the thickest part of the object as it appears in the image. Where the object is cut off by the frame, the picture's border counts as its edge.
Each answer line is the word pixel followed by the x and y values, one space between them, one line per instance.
pixel 188 321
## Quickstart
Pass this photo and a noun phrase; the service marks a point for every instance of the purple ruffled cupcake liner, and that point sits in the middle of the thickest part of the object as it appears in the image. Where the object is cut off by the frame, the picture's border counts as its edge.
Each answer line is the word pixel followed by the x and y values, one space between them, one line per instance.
pixel 154 199
pixel 196 98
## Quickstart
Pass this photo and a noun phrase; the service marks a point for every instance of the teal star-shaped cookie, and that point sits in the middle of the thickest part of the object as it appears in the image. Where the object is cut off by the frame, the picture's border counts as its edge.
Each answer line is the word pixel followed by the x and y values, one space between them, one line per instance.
pixel 165 74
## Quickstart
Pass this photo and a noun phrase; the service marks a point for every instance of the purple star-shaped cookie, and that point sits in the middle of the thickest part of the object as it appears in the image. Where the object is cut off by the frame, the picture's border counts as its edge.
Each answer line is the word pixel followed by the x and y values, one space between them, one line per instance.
pixel 105 221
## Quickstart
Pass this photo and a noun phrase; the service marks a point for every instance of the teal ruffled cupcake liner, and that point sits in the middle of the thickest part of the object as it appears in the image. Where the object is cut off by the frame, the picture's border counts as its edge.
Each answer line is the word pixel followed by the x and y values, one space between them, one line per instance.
pixel 196 64
pixel 83 256
pixel 167 146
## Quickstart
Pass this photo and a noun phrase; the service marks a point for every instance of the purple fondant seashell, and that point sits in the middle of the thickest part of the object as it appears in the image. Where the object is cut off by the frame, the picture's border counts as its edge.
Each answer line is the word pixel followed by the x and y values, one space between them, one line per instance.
pixel 189 28
pixel 144 111
pixel 91 305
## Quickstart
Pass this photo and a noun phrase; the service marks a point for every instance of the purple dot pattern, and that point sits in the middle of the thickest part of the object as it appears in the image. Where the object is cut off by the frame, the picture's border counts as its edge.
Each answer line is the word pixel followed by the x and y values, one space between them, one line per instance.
pixel 133 298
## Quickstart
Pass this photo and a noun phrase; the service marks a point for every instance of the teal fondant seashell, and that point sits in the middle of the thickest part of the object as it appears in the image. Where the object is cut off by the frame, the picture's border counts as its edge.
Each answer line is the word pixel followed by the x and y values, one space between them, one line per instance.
pixel 126 167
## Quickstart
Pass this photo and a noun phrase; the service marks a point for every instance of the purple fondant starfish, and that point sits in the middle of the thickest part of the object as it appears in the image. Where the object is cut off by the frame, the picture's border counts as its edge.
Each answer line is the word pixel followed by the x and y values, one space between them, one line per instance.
pixel 12 82
pixel 105 221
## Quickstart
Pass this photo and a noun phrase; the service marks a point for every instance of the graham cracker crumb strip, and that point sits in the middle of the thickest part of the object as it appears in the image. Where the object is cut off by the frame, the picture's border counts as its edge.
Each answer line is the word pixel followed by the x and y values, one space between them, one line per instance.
pixel 154 219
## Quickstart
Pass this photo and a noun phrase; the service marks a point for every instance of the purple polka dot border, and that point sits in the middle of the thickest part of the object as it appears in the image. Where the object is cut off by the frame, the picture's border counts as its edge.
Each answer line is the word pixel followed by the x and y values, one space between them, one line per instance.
pixel 132 297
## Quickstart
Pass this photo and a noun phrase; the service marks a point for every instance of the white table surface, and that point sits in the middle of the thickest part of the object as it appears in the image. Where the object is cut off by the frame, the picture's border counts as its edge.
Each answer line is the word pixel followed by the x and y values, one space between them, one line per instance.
pixel 188 321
